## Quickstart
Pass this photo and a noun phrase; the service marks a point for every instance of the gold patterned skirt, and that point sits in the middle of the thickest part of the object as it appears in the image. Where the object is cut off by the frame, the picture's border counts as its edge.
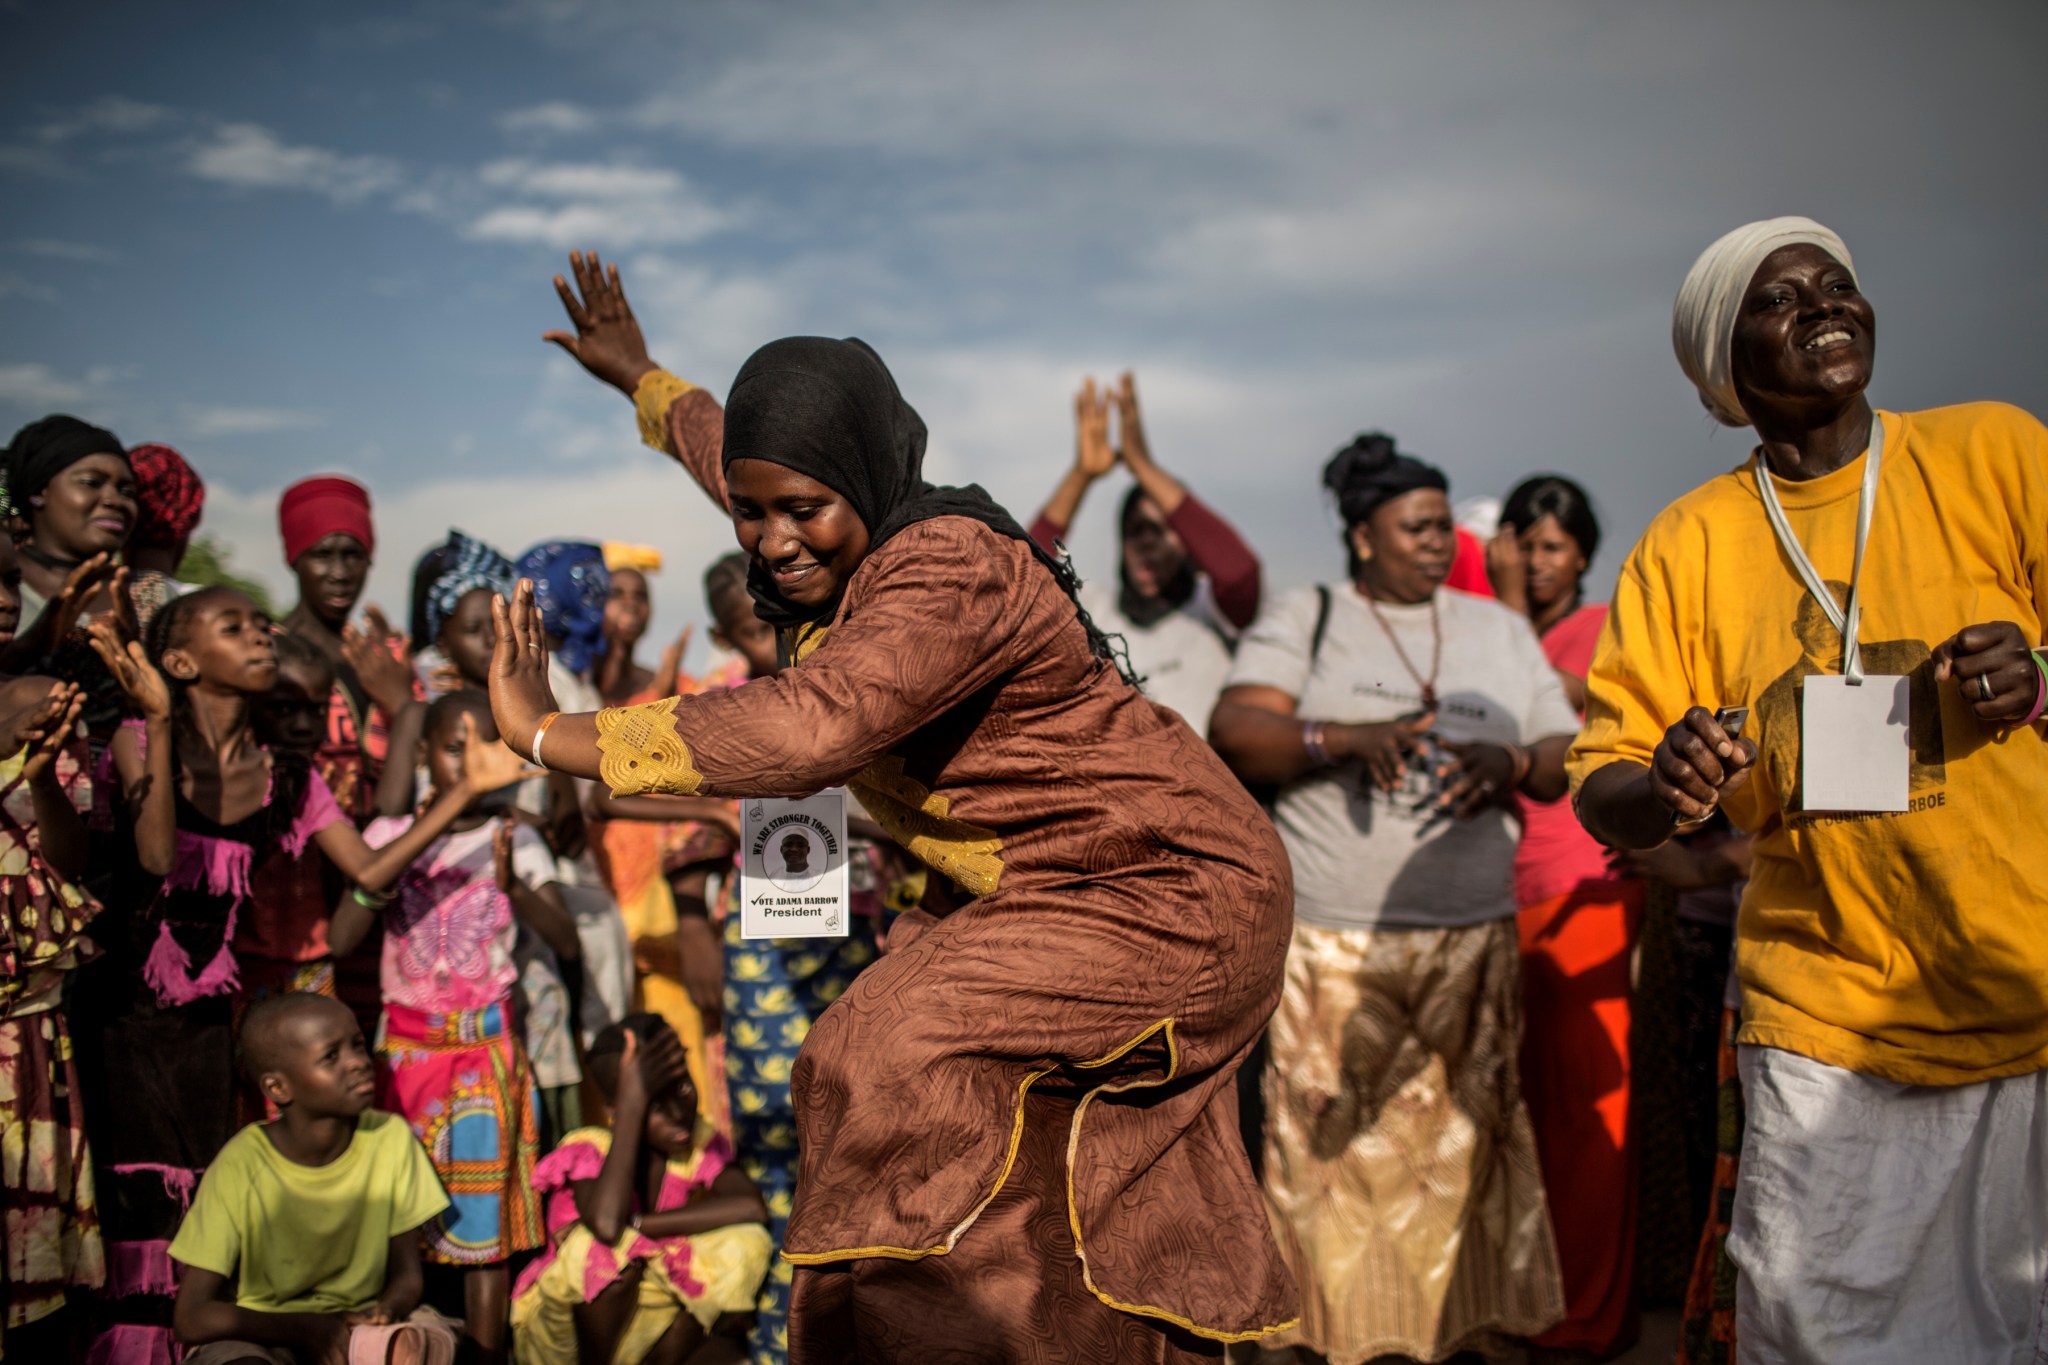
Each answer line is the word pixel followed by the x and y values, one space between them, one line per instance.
pixel 1401 1173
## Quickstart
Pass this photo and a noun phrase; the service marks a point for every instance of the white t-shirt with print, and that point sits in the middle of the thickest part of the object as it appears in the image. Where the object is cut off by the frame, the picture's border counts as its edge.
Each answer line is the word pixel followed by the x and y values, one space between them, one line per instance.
pixel 1182 658
pixel 1363 859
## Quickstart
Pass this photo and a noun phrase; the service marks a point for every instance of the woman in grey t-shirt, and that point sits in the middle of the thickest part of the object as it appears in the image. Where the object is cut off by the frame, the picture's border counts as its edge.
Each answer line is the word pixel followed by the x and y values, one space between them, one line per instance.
pixel 1395 717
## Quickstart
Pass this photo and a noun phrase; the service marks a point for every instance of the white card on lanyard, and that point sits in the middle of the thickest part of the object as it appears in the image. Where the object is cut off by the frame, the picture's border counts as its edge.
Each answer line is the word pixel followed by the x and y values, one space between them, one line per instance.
pixel 793 867
pixel 1855 746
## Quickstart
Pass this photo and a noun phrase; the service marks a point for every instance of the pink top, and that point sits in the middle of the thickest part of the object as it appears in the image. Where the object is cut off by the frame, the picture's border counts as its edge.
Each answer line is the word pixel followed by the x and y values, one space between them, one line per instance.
pixel 580 1157
pixel 449 931
pixel 1556 854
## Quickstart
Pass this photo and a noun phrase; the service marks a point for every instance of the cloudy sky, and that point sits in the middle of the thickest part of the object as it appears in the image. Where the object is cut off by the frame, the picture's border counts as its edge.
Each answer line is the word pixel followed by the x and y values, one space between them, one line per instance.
pixel 300 238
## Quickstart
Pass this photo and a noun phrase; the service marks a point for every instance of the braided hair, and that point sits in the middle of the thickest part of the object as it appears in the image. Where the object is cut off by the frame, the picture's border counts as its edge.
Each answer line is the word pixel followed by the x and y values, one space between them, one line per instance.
pixel 290 773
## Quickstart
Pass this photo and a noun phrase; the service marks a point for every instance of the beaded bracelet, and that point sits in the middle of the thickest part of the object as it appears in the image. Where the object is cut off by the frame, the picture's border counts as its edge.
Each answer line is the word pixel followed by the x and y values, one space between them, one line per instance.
pixel 2040 690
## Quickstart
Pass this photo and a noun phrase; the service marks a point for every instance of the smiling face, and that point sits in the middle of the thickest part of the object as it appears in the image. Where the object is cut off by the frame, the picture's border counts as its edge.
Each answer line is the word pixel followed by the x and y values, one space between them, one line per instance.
pixel 1155 557
pixel 1405 546
pixel 1805 336
pixel 805 536
pixel 331 576
pixel 627 605
pixel 319 1063
pixel 468 636
pixel 223 641
pixel 87 509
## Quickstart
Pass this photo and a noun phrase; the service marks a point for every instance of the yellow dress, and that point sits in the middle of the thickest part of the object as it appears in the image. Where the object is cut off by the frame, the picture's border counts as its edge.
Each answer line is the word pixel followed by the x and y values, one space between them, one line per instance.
pixel 706 1274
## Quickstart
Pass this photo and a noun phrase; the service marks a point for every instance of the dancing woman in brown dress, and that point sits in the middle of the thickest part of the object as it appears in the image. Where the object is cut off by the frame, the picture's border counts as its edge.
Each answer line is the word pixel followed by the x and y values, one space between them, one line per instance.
pixel 1018 1129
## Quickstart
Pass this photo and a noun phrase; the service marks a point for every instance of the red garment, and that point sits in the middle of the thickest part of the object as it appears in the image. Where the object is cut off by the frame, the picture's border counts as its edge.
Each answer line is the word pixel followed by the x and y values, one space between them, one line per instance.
pixel 1556 854
pixel 1575 1075
pixel 169 495
pixel 1214 548
pixel 312 509
pixel 1468 566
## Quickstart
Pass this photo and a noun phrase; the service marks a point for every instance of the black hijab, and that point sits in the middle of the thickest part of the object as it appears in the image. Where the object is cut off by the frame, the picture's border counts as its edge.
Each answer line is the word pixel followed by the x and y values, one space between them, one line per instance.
pixel 42 450
pixel 830 410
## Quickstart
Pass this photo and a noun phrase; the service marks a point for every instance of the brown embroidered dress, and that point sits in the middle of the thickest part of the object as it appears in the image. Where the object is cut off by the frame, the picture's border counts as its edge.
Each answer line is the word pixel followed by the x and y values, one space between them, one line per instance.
pixel 1055 1060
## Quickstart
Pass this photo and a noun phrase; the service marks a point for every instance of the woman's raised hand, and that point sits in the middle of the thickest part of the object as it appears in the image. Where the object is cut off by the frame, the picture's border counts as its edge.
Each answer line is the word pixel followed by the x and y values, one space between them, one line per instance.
pixel 1696 764
pixel 130 665
pixel 1130 427
pixel 521 696
pixel 1094 456
pixel 606 340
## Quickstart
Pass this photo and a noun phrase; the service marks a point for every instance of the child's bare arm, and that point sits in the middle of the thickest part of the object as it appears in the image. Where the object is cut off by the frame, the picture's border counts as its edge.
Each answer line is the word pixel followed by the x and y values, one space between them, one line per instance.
pixel 144 768
pixel 605 1205
pixel 540 908
pixel 731 1199
pixel 206 1311
pixel 394 788
pixel 377 870
pixel 403 1281
pixel 350 924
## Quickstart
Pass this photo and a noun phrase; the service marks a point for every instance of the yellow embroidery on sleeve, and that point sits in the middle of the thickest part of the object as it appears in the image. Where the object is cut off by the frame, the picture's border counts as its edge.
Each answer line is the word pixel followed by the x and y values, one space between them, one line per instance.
pixel 922 822
pixel 652 398
pixel 640 750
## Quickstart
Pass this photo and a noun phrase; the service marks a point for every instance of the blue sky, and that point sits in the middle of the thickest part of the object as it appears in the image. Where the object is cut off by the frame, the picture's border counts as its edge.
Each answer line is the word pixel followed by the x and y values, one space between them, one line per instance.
pixel 291 238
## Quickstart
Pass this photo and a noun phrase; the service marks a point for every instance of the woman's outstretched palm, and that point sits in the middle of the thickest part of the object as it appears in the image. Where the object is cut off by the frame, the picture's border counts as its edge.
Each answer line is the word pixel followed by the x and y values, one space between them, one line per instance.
pixel 606 340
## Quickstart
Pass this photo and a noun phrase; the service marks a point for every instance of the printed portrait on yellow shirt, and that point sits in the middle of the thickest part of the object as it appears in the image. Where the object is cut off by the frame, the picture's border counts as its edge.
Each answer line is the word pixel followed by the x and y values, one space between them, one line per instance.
pixel 1778 706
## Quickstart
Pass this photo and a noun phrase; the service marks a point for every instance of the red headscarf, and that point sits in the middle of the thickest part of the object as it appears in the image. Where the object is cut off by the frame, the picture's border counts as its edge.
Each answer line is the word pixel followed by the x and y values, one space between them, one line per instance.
pixel 315 508
pixel 171 495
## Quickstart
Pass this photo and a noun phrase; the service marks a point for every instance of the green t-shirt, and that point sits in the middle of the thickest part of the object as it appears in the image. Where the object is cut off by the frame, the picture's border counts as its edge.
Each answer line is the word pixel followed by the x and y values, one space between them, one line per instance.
pixel 309 1239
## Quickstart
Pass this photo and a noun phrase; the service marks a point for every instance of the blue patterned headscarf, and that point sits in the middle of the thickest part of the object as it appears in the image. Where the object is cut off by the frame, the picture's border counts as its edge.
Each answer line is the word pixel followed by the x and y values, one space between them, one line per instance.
pixel 570 585
pixel 466 565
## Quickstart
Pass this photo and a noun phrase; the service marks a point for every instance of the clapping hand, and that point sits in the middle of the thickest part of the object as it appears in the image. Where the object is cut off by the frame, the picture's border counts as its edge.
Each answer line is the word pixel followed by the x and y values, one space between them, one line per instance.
pixel 668 678
pixel 1094 456
pixel 130 665
pixel 606 340
pixel 43 727
pixel 382 662
pixel 521 696
pixel 488 765
pixel 1130 428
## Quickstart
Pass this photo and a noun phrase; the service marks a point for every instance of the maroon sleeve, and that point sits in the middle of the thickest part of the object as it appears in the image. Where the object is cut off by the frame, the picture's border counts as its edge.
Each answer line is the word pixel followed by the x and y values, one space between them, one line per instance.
pixel 1048 533
pixel 1221 553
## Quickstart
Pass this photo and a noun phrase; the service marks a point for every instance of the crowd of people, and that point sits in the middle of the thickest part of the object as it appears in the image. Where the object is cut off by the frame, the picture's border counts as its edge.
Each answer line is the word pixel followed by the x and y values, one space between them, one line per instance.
pixel 1346 972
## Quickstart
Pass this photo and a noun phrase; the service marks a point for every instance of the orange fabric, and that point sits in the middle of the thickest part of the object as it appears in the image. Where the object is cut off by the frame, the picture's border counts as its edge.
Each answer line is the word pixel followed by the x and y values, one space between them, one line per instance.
pixel 1575 1074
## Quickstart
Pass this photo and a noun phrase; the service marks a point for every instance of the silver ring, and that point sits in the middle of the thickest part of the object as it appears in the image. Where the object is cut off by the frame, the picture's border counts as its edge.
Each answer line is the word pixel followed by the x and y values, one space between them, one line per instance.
pixel 531 645
pixel 1984 687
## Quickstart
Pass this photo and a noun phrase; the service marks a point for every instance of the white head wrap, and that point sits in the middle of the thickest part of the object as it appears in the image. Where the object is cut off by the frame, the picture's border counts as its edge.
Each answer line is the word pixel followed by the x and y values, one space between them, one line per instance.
pixel 1703 318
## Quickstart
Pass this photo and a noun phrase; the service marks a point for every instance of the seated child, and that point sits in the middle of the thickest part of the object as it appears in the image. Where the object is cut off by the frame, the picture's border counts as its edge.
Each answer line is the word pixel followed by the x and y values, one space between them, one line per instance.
pixel 306 1229
pixel 658 1242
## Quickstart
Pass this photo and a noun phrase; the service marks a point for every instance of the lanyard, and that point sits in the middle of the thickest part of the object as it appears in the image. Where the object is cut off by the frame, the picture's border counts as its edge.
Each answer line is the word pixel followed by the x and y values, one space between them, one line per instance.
pixel 1844 621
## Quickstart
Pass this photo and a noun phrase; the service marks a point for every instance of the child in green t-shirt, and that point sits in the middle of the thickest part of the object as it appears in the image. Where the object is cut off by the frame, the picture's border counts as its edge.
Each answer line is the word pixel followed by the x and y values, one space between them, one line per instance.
pixel 306 1228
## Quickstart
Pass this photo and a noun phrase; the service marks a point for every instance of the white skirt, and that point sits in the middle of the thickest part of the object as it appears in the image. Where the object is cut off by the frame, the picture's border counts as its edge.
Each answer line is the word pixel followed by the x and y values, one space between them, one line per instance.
pixel 1877 1222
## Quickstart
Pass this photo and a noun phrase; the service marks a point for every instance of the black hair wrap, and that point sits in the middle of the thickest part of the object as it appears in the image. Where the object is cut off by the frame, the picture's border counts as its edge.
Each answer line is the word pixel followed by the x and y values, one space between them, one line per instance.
pixel 1371 471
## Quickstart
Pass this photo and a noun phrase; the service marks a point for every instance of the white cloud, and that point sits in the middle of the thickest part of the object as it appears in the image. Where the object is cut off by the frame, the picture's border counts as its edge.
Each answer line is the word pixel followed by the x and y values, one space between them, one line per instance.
pixel 556 117
pixel 38 386
pixel 614 204
pixel 108 114
pixel 85 252
pixel 237 421
pixel 250 155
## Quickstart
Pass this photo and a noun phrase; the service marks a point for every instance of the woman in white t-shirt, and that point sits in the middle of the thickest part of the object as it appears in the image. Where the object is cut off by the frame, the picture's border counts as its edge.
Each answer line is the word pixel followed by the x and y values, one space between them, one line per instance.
pixel 1397 718
pixel 1186 582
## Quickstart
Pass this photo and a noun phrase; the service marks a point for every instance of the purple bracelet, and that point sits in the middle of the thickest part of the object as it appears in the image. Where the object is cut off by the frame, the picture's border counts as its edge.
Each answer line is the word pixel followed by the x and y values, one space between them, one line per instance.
pixel 1312 740
pixel 2040 688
